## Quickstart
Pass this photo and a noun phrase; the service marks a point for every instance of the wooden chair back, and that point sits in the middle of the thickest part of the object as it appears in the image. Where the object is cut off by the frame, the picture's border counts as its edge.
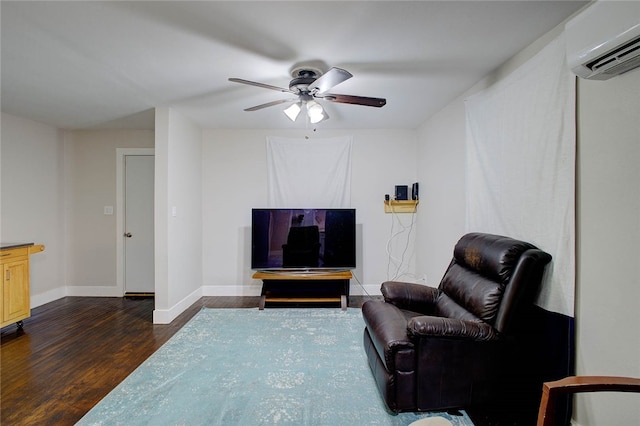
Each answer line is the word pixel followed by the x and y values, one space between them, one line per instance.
pixel 576 384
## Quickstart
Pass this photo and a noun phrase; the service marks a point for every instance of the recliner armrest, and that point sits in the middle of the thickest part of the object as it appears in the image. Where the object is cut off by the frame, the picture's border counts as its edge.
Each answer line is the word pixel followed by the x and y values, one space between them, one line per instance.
pixel 410 296
pixel 450 327
pixel 387 327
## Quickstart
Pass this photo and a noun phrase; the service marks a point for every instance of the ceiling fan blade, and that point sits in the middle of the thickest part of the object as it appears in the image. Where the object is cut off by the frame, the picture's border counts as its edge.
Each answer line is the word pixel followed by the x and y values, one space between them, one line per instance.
pixel 355 100
pixel 269 104
pixel 331 78
pixel 265 86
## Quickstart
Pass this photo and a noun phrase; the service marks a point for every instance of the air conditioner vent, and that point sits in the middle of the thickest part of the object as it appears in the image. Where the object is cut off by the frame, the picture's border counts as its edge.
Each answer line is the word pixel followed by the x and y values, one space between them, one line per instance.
pixel 626 52
pixel 621 68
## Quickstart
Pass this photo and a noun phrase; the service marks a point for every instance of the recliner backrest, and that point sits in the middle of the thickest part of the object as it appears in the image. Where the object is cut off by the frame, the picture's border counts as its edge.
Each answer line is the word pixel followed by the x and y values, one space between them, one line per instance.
pixel 487 278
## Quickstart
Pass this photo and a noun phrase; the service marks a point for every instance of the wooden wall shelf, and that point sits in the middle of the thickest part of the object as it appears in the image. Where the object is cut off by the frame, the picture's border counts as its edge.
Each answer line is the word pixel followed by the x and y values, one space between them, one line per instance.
pixel 400 206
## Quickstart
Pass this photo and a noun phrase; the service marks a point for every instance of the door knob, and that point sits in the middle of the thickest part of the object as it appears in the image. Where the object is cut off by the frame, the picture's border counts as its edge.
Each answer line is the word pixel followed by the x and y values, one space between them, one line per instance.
pixel 127 234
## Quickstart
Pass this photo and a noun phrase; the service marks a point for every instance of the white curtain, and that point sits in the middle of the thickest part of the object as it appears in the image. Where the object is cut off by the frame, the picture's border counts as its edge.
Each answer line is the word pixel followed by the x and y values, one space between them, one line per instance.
pixel 309 172
pixel 521 165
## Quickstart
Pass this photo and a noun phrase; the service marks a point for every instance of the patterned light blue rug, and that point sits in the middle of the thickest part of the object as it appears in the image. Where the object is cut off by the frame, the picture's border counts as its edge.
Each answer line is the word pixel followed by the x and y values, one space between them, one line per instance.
pixel 251 367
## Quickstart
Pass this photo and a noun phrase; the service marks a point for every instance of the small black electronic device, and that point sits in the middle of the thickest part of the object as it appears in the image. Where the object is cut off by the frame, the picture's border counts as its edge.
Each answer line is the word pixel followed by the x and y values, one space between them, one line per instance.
pixel 414 191
pixel 402 192
pixel 386 197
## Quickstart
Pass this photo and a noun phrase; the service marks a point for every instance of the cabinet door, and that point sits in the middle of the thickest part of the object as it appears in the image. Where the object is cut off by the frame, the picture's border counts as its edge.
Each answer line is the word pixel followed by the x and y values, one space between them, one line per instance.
pixel 2 321
pixel 15 291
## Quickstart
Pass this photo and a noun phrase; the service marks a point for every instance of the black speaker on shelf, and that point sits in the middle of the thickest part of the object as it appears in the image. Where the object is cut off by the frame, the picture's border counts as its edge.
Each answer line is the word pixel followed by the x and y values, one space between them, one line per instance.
pixel 402 192
pixel 414 191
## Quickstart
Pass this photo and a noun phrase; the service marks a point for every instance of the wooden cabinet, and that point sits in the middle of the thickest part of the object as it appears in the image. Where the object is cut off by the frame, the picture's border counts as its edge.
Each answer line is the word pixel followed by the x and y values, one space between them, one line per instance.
pixel 15 303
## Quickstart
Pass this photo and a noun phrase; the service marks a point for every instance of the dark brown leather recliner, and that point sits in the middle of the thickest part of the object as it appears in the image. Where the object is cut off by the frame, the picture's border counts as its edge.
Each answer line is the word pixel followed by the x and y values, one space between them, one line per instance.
pixel 435 349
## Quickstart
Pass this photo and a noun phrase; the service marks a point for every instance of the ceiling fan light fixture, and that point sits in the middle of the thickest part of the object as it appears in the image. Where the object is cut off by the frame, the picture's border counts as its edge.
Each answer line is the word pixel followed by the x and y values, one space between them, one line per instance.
pixel 314 108
pixel 293 111
pixel 315 112
pixel 318 117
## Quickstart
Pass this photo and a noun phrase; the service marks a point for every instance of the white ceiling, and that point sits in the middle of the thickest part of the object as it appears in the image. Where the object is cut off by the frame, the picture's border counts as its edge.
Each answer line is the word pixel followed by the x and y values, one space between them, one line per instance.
pixel 95 64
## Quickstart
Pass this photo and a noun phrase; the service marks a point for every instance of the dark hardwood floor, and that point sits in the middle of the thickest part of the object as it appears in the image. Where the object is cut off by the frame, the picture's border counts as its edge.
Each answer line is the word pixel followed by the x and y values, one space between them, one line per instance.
pixel 75 350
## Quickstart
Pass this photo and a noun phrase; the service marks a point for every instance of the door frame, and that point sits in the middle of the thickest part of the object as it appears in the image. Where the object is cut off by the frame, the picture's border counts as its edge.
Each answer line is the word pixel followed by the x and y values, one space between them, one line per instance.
pixel 121 153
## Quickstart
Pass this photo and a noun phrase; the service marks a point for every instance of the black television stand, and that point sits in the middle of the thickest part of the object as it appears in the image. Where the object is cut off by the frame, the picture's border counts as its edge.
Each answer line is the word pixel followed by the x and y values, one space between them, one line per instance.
pixel 304 286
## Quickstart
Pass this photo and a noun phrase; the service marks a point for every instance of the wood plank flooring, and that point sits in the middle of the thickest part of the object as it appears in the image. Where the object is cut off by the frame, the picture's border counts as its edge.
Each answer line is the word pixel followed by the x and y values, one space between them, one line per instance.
pixel 75 350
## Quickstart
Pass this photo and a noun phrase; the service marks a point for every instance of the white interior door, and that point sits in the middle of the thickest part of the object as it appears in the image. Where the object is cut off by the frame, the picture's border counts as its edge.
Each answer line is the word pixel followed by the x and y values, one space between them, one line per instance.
pixel 138 224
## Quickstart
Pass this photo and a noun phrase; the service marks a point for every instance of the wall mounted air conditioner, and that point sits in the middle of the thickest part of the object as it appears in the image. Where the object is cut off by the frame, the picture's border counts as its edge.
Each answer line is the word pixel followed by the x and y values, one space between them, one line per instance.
pixel 604 39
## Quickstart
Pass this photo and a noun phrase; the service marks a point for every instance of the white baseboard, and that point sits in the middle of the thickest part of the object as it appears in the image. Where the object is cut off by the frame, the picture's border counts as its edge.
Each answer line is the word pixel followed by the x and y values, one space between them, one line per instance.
pixel 94 291
pixel 365 290
pixel 256 289
pixel 165 316
pixel 253 289
pixel 76 291
pixel 48 296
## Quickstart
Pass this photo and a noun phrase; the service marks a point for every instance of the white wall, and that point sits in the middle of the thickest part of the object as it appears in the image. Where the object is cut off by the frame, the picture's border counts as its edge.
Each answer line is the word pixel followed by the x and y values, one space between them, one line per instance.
pixel 178 214
pixel 91 237
pixel 608 292
pixel 235 180
pixel 55 185
pixel 213 181
pixel 441 173
pixel 33 197
pixel 608 232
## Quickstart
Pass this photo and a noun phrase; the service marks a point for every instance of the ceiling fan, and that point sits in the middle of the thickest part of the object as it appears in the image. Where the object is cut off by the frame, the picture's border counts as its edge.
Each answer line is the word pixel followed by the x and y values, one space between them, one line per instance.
pixel 310 83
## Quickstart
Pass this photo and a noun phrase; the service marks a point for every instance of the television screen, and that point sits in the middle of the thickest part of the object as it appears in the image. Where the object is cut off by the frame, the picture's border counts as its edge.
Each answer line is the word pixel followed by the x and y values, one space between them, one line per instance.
pixel 303 238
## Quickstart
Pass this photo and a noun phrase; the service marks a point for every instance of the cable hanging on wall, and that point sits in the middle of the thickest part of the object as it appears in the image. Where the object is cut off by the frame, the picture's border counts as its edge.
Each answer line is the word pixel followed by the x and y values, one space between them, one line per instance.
pixel 398 263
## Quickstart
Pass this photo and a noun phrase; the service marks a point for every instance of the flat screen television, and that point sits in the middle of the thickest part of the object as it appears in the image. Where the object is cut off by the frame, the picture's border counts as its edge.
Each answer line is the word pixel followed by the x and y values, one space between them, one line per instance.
pixel 303 238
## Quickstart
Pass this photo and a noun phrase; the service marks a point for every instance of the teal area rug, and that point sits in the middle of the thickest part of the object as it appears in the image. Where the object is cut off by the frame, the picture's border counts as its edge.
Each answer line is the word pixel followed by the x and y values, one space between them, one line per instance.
pixel 251 367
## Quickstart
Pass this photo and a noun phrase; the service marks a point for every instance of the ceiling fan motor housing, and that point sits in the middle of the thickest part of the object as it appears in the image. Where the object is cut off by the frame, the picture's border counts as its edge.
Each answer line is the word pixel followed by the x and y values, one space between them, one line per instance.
pixel 302 78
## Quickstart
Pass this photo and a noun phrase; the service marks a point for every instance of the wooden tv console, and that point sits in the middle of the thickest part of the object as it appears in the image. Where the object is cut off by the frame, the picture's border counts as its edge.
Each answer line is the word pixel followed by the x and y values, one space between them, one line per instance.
pixel 305 286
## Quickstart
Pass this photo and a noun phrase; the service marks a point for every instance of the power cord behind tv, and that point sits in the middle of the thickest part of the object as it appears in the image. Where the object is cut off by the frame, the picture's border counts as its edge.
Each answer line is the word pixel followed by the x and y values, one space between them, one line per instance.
pixel 399 263
pixel 355 277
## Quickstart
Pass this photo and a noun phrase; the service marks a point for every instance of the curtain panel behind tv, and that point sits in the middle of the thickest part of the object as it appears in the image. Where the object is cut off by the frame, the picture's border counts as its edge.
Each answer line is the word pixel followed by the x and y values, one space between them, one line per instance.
pixel 309 173
pixel 521 165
